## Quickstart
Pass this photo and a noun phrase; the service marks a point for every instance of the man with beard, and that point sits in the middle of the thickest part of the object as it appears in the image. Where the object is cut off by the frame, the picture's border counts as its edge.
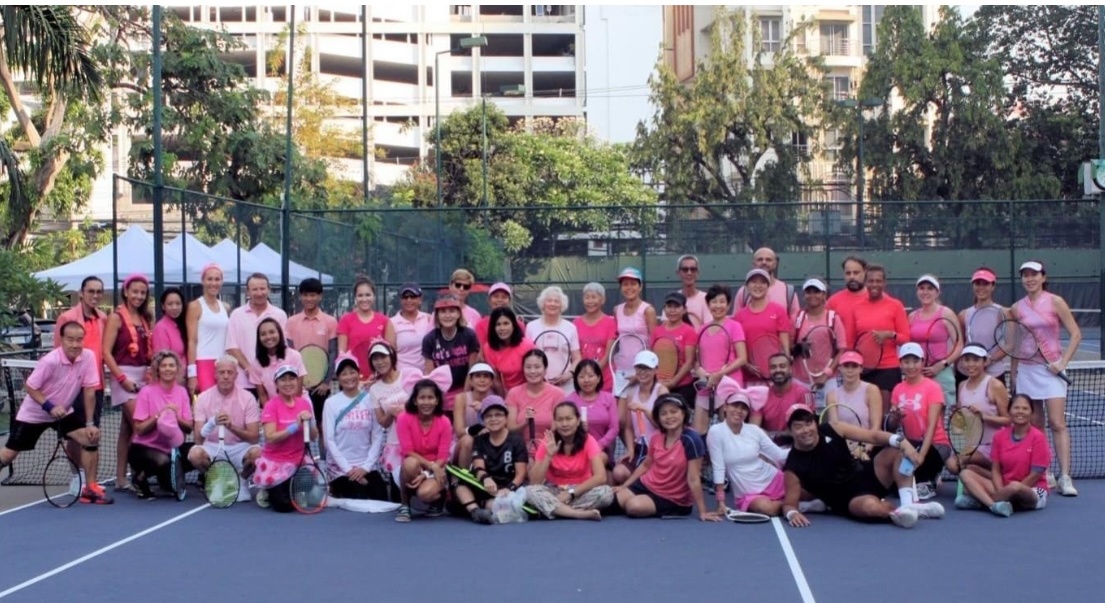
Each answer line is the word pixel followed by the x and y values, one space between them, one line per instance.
pixel 843 302
pixel 821 465
pixel 782 394
pixel 883 320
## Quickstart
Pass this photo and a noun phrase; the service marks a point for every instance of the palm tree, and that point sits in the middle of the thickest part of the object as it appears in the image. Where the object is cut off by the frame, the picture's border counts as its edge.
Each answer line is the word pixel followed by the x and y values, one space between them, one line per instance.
pixel 50 47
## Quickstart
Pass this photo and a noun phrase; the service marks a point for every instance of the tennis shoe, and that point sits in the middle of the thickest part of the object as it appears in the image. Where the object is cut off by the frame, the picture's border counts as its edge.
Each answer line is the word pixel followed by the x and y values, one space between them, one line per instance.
pixel 1066 486
pixel 967 502
pixel 262 498
pixel 929 510
pixel 1002 508
pixel 926 491
pixel 1051 480
pixel 483 516
pixel 94 494
pixel 904 517
pixel 812 506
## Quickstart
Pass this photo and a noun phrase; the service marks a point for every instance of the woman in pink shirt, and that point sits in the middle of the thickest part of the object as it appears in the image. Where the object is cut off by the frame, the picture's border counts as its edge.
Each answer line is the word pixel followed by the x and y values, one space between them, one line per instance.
pixel 288 412
pixel 1020 457
pixel 933 336
pixel 531 404
pixel 389 399
pixel 767 327
pixel 272 353
pixel 467 422
pixel 920 401
pixel 567 477
pixel 363 326
pixel 597 406
pixel 597 331
pixel 506 345
pixel 720 352
pixel 635 316
pixel 635 414
pixel 425 439
pixel 170 333
pixel 162 416
pixel 127 356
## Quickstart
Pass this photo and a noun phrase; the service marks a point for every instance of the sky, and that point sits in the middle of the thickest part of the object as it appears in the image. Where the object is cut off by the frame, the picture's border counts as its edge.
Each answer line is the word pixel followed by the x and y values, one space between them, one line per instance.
pixel 623 43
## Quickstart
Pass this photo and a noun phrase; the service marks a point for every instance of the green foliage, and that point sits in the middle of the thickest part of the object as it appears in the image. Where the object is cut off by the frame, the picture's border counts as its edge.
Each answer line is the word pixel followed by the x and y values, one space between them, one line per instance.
pixel 50 45
pixel 19 290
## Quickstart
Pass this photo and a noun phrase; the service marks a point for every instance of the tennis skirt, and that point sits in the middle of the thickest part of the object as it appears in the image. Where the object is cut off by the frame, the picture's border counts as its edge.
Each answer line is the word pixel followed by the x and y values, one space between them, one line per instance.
pixel 1038 383
pixel 120 396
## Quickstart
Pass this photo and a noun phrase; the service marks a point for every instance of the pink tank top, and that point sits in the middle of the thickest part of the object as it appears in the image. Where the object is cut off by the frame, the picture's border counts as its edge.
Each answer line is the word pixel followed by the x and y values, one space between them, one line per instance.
pixel 856 401
pixel 632 324
pixel 933 340
pixel 642 427
pixel 1041 318
pixel 979 398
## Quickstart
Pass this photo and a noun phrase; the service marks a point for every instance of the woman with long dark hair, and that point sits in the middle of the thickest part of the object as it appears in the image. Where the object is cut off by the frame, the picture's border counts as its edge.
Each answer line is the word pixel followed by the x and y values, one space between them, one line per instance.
pixel 127 354
pixel 171 332
pixel 568 477
pixel 272 352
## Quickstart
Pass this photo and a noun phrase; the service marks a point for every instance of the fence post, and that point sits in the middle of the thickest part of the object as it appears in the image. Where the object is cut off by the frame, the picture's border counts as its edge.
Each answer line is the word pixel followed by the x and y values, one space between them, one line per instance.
pixel 1012 254
pixel 828 244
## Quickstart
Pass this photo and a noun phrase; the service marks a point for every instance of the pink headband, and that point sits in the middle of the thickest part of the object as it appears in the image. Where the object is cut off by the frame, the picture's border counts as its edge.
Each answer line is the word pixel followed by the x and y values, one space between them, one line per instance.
pixel 211 266
pixel 442 376
pixel 135 277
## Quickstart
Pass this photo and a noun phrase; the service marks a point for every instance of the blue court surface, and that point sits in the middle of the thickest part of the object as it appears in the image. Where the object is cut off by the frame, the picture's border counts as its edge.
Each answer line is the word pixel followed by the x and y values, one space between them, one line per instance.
pixel 166 552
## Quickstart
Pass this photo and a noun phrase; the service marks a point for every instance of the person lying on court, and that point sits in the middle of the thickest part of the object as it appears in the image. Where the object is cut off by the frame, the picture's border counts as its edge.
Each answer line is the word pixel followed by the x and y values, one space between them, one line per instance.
pixel 162 417
pixel 51 392
pixel 821 466
pixel 235 410
pixel 499 461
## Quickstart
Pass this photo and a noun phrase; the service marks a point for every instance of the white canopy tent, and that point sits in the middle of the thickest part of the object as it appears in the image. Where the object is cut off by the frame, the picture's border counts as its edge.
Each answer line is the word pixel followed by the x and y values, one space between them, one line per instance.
pixel 135 256
pixel 296 272
pixel 226 254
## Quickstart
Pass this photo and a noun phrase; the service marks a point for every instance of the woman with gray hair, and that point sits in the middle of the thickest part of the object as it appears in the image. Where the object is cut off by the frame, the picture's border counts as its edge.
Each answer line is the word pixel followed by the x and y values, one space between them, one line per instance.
pixel 596 331
pixel 555 336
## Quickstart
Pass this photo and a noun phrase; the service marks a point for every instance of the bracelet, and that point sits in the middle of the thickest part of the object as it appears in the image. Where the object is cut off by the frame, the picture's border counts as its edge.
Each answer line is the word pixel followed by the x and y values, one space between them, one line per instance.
pixel 895 441
pixel 90 424
pixel 121 378
pixel 48 406
pixel 790 514
pixel 192 371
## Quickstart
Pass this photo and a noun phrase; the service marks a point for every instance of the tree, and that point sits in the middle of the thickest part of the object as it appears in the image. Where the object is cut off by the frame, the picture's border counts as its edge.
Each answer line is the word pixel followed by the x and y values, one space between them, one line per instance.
pixel 728 137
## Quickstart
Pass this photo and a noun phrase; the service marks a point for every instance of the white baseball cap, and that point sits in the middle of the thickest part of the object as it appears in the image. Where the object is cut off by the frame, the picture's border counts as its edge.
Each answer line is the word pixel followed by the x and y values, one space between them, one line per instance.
pixel 646 358
pixel 975 350
pixel 481 367
pixel 815 283
pixel 911 349
pixel 930 279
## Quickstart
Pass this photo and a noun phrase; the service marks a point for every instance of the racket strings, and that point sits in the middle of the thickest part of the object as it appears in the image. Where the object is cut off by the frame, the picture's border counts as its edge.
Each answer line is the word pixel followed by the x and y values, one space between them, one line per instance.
pixel 818 349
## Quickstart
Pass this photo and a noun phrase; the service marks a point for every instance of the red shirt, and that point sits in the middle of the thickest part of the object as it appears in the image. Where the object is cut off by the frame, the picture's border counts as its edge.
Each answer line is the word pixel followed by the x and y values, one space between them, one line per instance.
pixel 774 413
pixel 884 314
pixel 1017 458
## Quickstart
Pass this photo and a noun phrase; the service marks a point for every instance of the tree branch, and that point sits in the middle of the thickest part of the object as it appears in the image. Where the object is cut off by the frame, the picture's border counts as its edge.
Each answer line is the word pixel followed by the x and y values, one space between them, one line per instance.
pixel 17 103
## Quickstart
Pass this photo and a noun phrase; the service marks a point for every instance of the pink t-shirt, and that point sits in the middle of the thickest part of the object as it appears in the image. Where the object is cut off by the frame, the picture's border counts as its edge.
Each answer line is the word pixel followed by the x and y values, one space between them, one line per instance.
pixel 151 399
pixel 519 399
pixel 166 336
pixel 915 400
pixel 239 404
pixel 667 475
pixel 507 362
pixel 318 330
pixel 59 380
pixel 432 444
pixel 408 339
pixel 266 375
pixel 1017 458
pixel 684 336
pixel 471 316
pixel 280 414
pixel 774 413
pixel 360 335
pixel 602 416
pixel 698 309
pixel 808 323
pixel 241 333
pixel 594 342
pixel 484 324
pixel 777 293
pixel 570 470
pixel 715 351
pixel 772 320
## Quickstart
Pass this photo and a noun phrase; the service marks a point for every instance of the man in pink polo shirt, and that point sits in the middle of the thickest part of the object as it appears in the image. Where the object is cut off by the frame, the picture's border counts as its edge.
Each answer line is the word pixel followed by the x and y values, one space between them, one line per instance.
pixel 237 412
pixel 51 389
pixel 777 291
pixel 782 394
pixel 312 326
pixel 241 331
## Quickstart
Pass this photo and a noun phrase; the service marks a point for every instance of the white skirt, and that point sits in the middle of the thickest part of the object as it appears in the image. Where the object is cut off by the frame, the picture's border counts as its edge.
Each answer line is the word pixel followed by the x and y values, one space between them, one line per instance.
pixel 1038 383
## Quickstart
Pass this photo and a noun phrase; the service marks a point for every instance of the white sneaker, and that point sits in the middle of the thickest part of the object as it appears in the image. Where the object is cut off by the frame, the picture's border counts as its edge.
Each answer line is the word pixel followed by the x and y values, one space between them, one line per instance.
pixel 904 517
pixel 75 484
pixel 262 498
pixel 1051 485
pixel 1066 486
pixel 929 510
pixel 812 506
pixel 925 491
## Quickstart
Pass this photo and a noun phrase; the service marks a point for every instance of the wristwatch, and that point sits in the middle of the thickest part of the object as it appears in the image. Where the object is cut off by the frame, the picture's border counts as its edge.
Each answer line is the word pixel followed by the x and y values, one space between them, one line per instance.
pixel 571 493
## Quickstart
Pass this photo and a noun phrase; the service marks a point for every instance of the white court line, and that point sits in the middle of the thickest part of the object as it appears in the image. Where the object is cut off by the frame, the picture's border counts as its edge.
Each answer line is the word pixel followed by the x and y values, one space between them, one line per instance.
pixel 792 561
pixel 21 507
pixel 1086 419
pixel 61 568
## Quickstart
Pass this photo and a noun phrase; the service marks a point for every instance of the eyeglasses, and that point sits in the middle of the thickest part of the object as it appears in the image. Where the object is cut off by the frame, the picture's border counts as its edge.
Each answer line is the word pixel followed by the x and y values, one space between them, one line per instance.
pixel 464 286
pixel 409 296
pixel 688 269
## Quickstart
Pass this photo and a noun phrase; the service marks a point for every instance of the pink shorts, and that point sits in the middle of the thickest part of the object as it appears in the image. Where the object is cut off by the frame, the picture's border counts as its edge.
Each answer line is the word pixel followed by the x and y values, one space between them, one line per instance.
pixel 205 374
pixel 775 491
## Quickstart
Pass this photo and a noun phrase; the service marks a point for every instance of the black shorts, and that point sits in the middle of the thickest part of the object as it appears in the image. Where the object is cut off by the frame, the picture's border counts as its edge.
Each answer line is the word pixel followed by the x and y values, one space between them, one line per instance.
pixel 664 507
pixel 78 407
pixel 885 379
pixel 24 436
pixel 865 483
pixel 933 463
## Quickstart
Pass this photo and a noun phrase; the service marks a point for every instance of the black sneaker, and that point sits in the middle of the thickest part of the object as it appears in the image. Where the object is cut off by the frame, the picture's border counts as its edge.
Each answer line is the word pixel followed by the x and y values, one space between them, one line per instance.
pixel 482 516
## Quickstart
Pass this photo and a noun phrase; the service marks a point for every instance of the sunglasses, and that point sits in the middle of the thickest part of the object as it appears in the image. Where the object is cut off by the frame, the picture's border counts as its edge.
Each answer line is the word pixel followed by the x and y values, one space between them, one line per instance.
pixel 463 286
pixel 688 269
pixel 94 291
pixel 409 296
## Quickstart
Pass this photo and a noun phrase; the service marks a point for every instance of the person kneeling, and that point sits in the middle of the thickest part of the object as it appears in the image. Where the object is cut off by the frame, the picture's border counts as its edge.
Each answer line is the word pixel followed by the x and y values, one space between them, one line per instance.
pixel 283 417
pixel 822 465
pixel 499 460
pixel 235 410
pixel 162 416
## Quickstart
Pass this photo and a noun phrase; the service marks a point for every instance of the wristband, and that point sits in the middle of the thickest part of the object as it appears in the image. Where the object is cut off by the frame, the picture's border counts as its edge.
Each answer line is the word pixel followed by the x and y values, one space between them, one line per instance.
pixel 90 424
pixel 48 406
pixel 121 378
pixel 192 371
pixel 895 441
pixel 208 427
pixel 293 428
pixel 790 514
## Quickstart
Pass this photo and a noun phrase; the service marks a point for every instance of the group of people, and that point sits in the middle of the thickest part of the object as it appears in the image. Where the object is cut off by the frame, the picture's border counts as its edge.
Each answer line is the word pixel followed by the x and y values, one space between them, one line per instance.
pixel 416 392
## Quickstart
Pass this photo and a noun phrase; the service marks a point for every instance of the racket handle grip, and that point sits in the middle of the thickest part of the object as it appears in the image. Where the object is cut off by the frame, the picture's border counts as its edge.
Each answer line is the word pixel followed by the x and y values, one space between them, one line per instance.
pixel 222 432
pixel 1065 377
pixel 531 425
pixel 306 432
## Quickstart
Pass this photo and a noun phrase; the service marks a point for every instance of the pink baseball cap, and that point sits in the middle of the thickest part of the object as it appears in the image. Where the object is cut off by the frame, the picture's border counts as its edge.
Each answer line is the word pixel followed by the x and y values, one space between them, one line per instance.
pixel 796 409
pixel 500 287
pixel 851 356
pixel 346 358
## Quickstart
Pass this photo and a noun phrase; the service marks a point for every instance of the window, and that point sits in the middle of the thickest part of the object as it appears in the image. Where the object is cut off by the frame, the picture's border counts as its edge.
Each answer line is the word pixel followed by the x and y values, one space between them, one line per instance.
pixel 841 87
pixel 834 39
pixel 872 14
pixel 770 34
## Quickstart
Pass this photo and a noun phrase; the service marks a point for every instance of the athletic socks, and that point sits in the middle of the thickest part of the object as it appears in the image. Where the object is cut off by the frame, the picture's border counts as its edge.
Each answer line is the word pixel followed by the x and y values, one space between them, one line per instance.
pixel 906 496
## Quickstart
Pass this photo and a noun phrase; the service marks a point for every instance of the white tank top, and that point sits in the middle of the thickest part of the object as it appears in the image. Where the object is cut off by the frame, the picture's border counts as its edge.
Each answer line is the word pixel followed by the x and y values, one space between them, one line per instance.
pixel 857 401
pixel 979 398
pixel 211 333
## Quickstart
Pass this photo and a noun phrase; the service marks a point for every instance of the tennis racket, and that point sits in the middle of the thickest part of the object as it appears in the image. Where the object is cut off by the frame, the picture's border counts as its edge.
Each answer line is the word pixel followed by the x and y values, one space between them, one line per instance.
pixel 317 362
pixel 308 484
pixel 818 348
pixel 965 430
pixel 844 414
pixel 558 351
pixel 982 325
pixel 940 341
pixel 531 427
pixel 60 464
pixel 761 350
pixel 667 351
pixel 622 355
pixel 221 482
pixel 715 350
pixel 870 350
pixel 736 516
pixel 1018 341
pixel 176 474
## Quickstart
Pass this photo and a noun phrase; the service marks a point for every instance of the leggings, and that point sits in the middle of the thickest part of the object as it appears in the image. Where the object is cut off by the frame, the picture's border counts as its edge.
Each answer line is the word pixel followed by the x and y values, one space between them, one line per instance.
pixel 146 462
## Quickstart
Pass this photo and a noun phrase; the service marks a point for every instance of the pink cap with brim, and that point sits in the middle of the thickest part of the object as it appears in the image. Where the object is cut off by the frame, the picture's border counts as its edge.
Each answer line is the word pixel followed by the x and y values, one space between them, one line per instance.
pixel 505 288
pixel 346 357
pixel 799 408
pixel 851 357
pixel 984 275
